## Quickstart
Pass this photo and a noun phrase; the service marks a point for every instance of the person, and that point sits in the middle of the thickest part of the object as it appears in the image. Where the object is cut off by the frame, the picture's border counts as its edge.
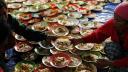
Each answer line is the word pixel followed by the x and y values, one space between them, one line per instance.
pixel 117 29
pixel 9 24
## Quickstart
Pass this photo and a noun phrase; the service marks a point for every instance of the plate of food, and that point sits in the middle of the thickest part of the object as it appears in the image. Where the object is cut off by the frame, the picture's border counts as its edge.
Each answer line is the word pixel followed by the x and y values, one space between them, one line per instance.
pixel 87 46
pixel 86 32
pixel 86 67
pixel 69 22
pixel 38 27
pixel 23 47
pixel 89 57
pixel 88 25
pixel 45 44
pixel 75 61
pixel 34 20
pixel 98 47
pixel 14 5
pixel 82 10
pixel 29 56
pixel 24 66
pixel 50 19
pixel 50 12
pixel 74 29
pixel 62 17
pixel 62 44
pixel 42 51
pixel 60 31
pixel 19 37
pixel 46 61
pixel 11 1
pixel 24 16
pixel 75 15
pixel 41 68
pixel 60 60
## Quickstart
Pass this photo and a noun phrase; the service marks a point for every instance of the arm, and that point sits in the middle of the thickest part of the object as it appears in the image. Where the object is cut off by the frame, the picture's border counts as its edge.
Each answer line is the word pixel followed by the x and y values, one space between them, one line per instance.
pixel 99 34
pixel 24 31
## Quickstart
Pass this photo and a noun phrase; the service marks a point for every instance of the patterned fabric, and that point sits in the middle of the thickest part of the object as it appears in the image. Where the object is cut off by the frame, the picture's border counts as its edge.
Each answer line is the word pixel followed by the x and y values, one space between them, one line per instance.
pixel 114 52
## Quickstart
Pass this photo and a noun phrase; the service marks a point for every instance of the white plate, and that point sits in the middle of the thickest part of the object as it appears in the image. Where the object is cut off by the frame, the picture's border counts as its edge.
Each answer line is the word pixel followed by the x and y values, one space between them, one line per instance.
pixel 60 31
pixel 86 32
pixel 25 48
pixel 45 45
pixel 87 46
pixel 75 61
pixel 46 61
pixel 75 15
pixel 41 51
pixel 14 5
pixel 20 38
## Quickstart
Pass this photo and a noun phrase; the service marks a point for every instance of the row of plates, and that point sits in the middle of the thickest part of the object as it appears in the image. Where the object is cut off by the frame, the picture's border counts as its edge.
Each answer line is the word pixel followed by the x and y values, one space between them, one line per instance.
pixel 59 60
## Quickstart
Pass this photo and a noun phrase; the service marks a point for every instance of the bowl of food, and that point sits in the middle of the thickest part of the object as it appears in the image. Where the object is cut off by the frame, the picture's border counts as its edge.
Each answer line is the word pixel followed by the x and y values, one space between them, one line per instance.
pixel 24 66
pixel 60 60
pixel 23 47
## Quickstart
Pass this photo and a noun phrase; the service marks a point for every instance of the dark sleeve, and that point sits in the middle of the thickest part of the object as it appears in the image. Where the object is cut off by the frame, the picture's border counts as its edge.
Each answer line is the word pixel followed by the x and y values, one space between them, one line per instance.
pixel 27 33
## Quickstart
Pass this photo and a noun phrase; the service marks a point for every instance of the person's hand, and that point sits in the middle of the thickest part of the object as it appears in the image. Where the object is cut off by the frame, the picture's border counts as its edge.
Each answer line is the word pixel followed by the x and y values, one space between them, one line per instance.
pixel 76 41
pixel 102 63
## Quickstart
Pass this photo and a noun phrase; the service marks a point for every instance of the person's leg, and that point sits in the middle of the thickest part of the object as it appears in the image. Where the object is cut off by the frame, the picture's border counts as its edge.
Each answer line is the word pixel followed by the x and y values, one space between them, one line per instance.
pixel 113 51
